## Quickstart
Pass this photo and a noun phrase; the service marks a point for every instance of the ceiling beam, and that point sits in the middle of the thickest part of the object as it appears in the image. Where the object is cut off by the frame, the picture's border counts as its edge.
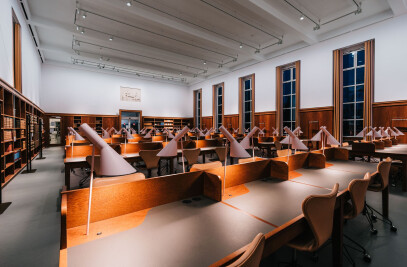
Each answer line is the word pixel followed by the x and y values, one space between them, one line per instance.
pixel 398 7
pixel 297 28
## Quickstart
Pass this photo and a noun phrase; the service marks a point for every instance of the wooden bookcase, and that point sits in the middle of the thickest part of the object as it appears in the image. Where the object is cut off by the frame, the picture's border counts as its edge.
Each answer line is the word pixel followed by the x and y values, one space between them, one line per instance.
pixel 15 110
pixel 166 122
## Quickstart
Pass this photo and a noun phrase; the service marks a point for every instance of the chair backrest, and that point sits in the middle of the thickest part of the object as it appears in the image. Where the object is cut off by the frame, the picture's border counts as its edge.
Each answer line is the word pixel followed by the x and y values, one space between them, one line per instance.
pixel 206 166
pixel 191 155
pixel 357 189
pixel 150 158
pixel 284 152
pixel 252 255
pixel 384 169
pixel 278 145
pixel 319 212
pixel 221 152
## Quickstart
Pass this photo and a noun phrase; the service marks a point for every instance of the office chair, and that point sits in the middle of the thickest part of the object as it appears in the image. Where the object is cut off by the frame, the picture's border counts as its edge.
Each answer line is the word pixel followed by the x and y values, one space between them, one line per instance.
pixel 151 160
pixel 380 182
pixel 318 210
pixel 191 156
pixel 357 189
pixel 252 255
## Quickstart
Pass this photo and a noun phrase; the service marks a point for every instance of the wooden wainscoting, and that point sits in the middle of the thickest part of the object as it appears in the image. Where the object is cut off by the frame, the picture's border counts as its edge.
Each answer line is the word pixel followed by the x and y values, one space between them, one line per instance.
pixel 265 119
pixel 207 122
pixel 231 121
pixel 392 113
pixel 311 119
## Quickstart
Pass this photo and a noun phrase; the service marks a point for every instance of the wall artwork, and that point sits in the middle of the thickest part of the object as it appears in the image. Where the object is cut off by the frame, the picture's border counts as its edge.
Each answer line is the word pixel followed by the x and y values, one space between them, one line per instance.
pixel 130 94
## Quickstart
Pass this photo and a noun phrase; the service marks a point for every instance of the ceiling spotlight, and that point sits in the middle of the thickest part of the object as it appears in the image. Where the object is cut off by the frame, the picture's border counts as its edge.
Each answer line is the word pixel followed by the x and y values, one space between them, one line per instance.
pixel 241 46
pixel 180 74
pixel 111 38
pixel 83 31
pixel 204 62
pixel 100 58
pixel 84 15
pixel 128 3
pixel 302 17
pixel 77 28
pixel 257 51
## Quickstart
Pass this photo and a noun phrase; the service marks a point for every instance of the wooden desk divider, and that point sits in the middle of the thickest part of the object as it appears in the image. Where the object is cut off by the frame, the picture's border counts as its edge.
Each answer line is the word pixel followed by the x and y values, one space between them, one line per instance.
pixel 207 143
pixel 333 153
pixel 119 199
pixel 136 147
pixel 158 138
pixel 303 160
pixel 379 144
pixel 394 141
pixel 387 143
pixel 70 138
pixel 364 147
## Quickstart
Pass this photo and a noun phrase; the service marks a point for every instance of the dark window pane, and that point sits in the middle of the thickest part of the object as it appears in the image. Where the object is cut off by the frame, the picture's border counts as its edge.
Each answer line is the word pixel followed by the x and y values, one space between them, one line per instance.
pixel 247 126
pixel 348 77
pixel 359 126
pixel 360 75
pixel 293 114
pixel 219 100
pixel 293 88
pixel 220 90
pixel 247 106
pixel 293 102
pixel 286 114
pixel 293 73
pixel 286 75
pixel 348 61
pixel 247 84
pixel 361 58
pixel 348 111
pixel 286 88
pixel 247 117
pixel 220 119
pixel 359 111
pixel 288 124
pixel 247 95
pixel 348 128
pixel 286 101
pixel 220 110
pixel 348 94
pixel 359 93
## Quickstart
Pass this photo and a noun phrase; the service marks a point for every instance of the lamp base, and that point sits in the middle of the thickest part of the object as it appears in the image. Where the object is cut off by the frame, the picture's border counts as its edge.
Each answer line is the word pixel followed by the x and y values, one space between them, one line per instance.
pixel 4 206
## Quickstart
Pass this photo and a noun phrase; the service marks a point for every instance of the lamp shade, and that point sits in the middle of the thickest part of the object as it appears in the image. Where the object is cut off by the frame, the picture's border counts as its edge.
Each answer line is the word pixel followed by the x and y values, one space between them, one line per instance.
pixel 275 131
pixel 362 133
pixel 293 140
pixel 148 135
pixel 199 132
pixel 170 135
pixel 77 136
pixel 383 133
pixel 211 130
pixel 389 131
pixel 245 143
pixel 111 163
pixel 170 150
pixel 105 134
pixel 236 150
pixel 127 133
pixel 398 131
pixel 330 140
pixel 132 131
pixel 317 136
pixel 297 131
pixel 112 130
pixel 373 133
pixel 261 131
pixel 235 131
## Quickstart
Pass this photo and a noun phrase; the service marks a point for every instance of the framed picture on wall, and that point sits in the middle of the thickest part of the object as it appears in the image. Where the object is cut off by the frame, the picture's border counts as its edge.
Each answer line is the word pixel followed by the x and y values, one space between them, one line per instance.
pixel 130 94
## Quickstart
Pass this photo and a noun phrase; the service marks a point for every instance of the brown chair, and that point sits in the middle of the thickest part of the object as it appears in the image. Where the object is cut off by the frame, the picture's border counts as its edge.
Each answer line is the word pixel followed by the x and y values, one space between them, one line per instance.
pixel 278 145
pixel 253 253
pixel 357 189
pixel 318 210
pixel 151 160
pixel 206 166
pixel 379 183
pixel 284 152
pixel 221 152
pixel 191 156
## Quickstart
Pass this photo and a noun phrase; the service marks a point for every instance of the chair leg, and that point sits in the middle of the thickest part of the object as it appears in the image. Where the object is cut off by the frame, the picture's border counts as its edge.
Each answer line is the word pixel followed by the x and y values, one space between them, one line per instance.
pixel 148 173
pixel 383 219
pixel 360 248
pixel 369 219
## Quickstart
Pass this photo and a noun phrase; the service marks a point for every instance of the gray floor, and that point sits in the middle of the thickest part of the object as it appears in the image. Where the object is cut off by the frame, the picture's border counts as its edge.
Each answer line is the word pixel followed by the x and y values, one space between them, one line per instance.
pixel 30 227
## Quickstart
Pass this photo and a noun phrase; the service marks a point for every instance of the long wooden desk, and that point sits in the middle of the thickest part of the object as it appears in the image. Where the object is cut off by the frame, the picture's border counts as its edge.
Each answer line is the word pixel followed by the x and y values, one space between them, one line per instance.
pixel 157 228
pixel 397 152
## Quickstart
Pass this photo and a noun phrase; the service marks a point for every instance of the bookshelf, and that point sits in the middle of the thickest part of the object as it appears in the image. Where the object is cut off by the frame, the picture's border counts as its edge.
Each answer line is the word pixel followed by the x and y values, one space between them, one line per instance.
pixel 166 122
pixel 15 110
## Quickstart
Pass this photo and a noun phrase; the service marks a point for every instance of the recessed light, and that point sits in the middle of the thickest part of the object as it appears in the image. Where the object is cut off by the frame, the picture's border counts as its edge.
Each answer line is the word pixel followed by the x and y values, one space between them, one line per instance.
pixel 128 3
pixel 111 38
pixel 180 73
pixel 83 31
pixel 302 18
pixel 241 46
pixel 84 15
pixel 77 28
pixel 204 62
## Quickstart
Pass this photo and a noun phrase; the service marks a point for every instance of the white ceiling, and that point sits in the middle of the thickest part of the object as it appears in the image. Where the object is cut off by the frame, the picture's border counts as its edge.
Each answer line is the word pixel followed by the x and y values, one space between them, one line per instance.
pixel 190 40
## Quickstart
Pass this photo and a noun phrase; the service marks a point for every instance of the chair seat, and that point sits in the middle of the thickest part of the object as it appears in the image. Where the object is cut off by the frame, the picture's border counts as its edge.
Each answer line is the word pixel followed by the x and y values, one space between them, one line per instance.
pixel 304 242
pixel 376 187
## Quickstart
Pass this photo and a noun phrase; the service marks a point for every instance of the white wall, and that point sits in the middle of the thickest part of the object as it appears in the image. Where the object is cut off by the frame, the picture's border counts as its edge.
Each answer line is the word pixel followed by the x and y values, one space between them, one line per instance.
pixel 316 70
pixel 68 89
pixel 31 63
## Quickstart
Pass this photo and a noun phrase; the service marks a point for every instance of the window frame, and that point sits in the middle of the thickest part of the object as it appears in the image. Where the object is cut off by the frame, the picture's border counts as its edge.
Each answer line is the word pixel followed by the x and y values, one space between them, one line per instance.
pixel 215 104
pixel 242 122
pixel 17 54
pixel 199 124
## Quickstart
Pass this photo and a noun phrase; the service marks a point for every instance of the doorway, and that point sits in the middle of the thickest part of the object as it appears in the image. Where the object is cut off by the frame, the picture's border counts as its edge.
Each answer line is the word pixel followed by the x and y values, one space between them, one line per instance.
pixel 130 119
pixel 55 130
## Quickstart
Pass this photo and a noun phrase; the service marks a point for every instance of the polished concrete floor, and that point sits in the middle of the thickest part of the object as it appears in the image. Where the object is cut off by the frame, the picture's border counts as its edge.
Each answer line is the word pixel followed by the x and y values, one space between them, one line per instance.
pixel 30 227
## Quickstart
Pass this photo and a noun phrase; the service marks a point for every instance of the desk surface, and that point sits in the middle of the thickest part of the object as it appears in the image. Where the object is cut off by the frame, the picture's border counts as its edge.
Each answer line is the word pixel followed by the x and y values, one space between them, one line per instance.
pixel 175 234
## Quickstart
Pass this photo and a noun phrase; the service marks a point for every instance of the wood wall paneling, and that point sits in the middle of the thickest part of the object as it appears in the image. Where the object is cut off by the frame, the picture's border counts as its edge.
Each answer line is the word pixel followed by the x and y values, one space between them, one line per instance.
pixel 231 121
pixel 207 122
pixel 392 114
pixel 312 119
pixel 265 120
